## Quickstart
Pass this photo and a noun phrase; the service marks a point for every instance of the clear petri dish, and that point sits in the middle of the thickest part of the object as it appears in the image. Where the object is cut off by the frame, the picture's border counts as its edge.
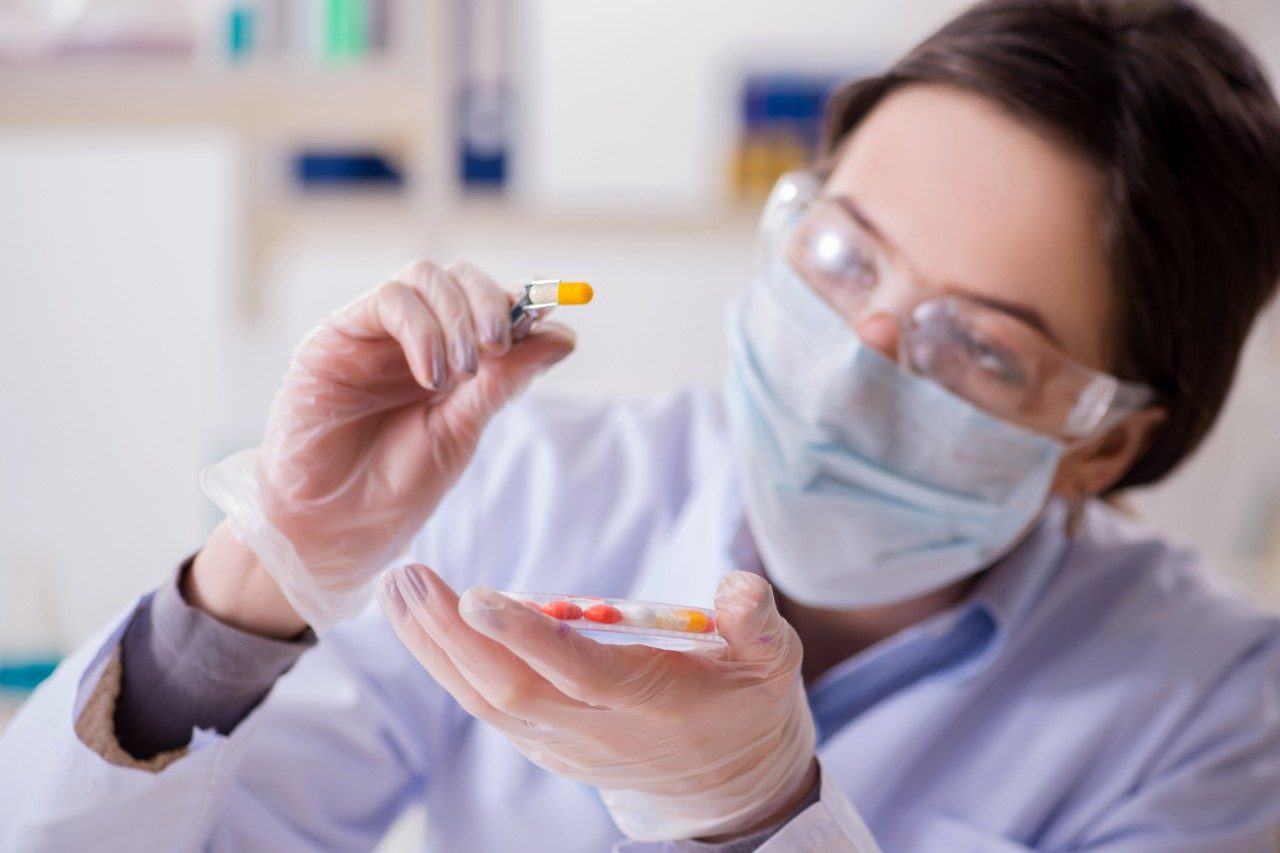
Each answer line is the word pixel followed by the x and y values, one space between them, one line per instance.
pixel 621 621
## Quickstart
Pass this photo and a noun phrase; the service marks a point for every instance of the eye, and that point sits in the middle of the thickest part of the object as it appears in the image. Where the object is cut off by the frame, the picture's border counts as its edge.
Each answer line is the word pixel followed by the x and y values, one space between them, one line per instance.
pixel 842 262
pixel 994 360
pixel 828 248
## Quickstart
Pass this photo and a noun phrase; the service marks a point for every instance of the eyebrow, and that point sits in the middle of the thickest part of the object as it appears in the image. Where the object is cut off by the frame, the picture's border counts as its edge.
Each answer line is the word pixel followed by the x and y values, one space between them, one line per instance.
pixel 1025 313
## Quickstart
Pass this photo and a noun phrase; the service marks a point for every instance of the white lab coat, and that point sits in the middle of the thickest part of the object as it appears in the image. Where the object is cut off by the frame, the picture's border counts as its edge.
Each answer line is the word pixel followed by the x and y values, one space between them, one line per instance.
pixel 633 501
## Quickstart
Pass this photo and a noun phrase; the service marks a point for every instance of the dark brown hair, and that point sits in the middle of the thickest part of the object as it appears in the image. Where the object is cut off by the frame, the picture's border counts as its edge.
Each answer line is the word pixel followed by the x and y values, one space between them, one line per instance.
pixel 1178 116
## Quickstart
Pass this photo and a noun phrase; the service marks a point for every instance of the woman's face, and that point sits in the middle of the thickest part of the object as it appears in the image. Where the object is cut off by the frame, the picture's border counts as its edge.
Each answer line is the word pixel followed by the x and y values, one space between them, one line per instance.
pixel 966 199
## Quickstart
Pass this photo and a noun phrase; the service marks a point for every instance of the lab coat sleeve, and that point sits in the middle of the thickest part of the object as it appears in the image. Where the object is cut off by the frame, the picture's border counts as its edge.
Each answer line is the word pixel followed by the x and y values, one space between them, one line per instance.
pixel 832 824
pixel 829 823
pixel 327 761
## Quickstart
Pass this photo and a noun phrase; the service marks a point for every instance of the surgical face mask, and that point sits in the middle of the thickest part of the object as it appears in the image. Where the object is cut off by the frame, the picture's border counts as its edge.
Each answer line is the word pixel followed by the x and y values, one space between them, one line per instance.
pixel 866 484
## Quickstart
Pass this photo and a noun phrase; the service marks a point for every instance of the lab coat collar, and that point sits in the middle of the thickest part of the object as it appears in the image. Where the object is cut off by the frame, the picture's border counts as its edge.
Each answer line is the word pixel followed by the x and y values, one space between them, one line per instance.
pixel 1010 589
pixel 1005 594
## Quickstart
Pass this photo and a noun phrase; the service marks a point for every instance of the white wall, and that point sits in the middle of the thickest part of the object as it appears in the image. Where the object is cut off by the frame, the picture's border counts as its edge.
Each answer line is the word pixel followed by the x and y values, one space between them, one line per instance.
pixel 115 256
pixel 1225 500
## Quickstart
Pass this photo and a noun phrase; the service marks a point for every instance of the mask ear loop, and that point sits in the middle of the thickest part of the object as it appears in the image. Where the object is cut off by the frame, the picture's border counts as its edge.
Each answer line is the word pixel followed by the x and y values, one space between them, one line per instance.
pixel 1074 525
pixel 1125 398
pixel 1097 403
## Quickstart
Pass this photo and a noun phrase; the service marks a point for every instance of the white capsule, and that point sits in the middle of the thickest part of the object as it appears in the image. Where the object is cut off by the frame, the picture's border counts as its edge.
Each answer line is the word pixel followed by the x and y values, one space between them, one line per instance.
pixel 637 615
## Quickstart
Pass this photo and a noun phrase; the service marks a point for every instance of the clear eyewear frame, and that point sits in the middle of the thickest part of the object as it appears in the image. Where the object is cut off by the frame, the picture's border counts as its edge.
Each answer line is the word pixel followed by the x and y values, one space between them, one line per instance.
pixel 992 359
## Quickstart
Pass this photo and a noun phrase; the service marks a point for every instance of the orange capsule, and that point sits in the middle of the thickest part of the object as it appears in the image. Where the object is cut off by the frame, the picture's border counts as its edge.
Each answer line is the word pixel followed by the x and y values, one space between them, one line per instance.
pixel 683 619
pixel 564 610
pixel 603 613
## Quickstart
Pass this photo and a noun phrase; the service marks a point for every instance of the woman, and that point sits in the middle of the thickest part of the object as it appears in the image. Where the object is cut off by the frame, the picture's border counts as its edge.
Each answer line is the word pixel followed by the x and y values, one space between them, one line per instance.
pixel 1016 284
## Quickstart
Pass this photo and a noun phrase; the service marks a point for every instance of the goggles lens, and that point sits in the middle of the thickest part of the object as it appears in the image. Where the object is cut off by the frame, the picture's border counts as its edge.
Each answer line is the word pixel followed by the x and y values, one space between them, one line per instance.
pixel 994 360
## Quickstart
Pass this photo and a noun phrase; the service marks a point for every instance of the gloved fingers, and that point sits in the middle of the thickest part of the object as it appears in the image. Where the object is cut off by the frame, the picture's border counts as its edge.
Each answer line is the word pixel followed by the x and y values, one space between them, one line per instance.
pixel 500 379
pixel 443 294
pixel 429 655
pixel 608 676
pixel 547 344
pixel 500 677
pixel 396 310
pixel 490 307
pixel 438 665
pixel 748 619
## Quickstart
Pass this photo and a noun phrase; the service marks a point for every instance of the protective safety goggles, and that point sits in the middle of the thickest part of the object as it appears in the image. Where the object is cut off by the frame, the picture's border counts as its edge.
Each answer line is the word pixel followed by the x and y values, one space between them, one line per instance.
pixel 981 353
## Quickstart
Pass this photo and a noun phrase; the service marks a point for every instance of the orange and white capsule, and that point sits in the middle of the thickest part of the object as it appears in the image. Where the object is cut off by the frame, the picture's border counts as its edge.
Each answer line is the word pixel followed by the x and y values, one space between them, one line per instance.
pixel 683 619
pixel 540 297
pixel 552 291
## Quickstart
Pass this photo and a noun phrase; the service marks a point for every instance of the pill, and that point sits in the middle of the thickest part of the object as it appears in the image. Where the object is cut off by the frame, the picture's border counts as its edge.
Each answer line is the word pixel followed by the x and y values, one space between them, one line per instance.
pixel 565 610
pixel 603 613
pixel 683 619
pixel 638 615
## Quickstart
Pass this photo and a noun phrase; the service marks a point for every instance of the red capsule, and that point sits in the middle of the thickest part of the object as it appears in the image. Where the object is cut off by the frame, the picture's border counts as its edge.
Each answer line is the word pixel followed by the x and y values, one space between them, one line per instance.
pixel 711 625
pixel 564 610
pixel 603 613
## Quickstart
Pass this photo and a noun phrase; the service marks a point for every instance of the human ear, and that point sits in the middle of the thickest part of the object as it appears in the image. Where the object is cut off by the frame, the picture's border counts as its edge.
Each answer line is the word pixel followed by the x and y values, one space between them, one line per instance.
pixel 1099 464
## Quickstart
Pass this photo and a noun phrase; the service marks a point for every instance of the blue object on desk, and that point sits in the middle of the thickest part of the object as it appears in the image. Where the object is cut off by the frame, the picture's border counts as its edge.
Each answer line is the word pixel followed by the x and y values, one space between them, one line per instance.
pixel 314 169
pixel 23 675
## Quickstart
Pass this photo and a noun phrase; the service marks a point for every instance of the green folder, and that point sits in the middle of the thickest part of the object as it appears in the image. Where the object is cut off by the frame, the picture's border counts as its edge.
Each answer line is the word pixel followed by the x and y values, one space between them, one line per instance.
pixel 346 30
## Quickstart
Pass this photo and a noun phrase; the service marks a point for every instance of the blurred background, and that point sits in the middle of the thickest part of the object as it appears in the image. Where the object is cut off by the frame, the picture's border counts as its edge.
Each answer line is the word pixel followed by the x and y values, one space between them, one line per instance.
pixel 187 187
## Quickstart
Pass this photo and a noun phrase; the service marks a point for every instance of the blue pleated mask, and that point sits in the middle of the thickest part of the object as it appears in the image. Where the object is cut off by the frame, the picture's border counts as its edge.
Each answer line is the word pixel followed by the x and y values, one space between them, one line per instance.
pixel 866 484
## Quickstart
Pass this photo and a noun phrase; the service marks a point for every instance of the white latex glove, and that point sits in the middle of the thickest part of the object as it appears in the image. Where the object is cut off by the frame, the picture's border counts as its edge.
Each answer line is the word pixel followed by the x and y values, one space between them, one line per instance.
pixel 379 412
pixel 681 745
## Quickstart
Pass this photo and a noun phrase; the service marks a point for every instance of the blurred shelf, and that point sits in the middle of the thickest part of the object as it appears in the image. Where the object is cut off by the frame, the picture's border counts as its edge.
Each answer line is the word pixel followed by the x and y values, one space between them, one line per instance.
pixel 479 212
pixel 270 111
pixel 158 93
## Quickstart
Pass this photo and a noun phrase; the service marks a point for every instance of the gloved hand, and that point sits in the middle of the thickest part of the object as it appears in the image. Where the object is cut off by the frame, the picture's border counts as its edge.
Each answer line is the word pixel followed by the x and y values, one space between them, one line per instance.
pixel 681 745
pixel 379 412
